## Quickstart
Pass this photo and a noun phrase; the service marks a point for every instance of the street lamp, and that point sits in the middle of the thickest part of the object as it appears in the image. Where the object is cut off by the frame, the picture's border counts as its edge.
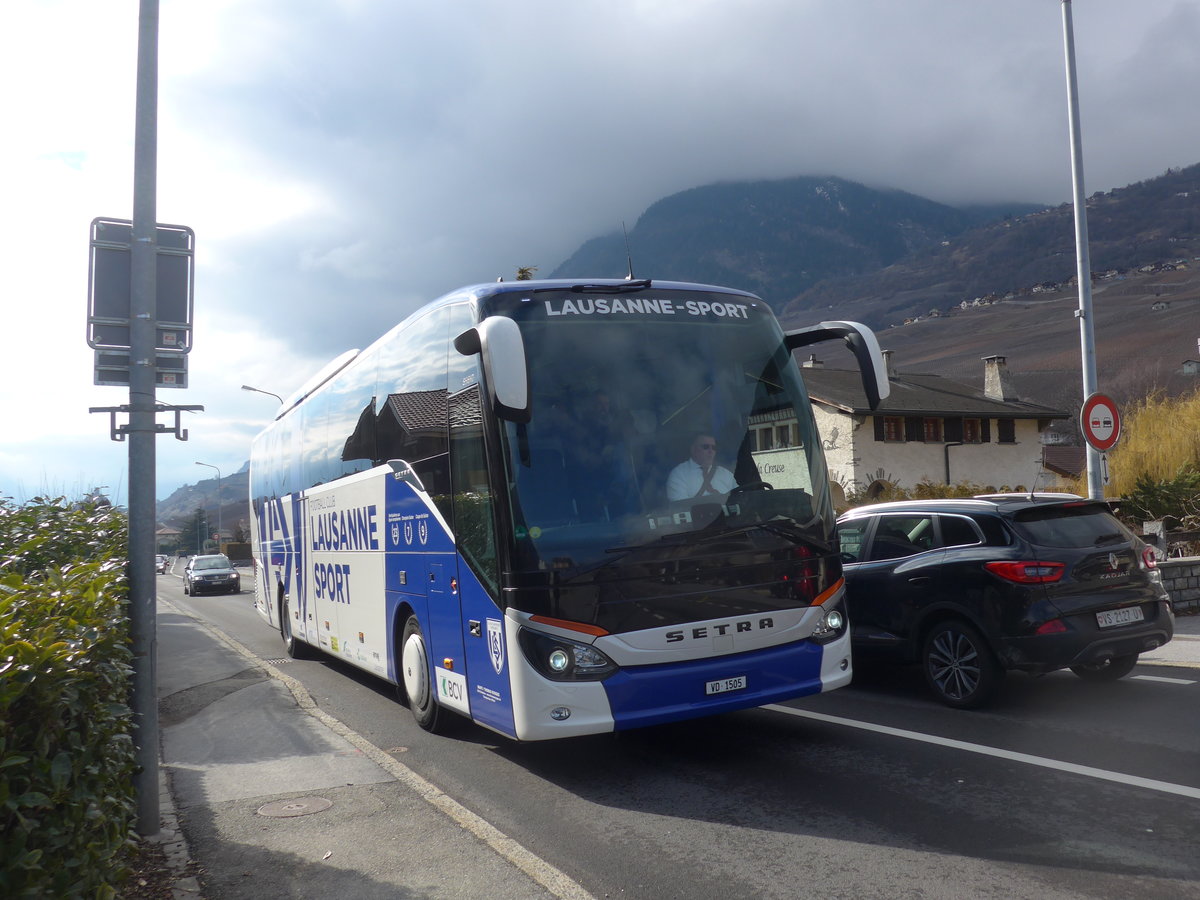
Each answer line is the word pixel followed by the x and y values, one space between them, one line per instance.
pixel 211 466
pixel 246 387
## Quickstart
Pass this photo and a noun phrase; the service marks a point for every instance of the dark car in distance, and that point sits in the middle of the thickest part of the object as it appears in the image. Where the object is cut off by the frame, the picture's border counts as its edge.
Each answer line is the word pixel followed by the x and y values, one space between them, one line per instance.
pixel 971 589
pixel 212 574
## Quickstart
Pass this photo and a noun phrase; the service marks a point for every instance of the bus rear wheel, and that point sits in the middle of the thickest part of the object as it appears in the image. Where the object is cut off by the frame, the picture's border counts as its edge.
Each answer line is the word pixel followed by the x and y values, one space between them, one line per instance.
pixel 416 676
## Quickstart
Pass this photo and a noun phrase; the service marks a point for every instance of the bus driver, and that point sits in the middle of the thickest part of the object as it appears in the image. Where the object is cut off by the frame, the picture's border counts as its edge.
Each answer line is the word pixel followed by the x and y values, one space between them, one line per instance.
pixel 699 476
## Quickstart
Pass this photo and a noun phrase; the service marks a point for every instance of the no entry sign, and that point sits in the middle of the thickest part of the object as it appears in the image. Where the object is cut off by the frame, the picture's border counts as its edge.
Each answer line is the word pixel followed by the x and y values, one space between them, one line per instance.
pixel 1100 422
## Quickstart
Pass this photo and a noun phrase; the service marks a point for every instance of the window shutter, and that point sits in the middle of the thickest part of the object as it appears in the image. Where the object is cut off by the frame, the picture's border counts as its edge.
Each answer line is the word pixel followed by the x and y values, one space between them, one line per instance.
pixel 914 429
pixel 953 429
pixel 878 422
pixel 985 431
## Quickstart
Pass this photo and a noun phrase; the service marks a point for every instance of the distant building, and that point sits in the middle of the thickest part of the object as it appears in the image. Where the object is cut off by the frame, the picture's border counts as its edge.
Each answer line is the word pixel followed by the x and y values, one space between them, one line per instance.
pixel 929 428
pixel 1190 367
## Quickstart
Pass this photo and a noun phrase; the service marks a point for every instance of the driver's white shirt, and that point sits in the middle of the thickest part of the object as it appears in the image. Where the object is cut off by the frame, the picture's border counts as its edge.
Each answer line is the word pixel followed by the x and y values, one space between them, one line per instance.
pixel 685 481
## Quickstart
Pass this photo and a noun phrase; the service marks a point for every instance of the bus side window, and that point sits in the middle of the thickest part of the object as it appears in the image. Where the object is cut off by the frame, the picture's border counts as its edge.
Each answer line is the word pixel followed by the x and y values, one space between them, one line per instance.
pixel 411 420
pixel 474 522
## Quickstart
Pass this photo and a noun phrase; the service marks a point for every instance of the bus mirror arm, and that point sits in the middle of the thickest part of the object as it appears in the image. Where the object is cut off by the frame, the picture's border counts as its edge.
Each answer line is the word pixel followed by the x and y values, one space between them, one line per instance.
pixel 501 349
pixel 862 343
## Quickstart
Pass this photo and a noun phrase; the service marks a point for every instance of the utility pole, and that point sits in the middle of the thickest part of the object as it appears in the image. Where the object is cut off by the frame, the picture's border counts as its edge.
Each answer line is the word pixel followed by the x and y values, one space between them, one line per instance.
pixel 142 427
pixel 1083 267
pixel 211 466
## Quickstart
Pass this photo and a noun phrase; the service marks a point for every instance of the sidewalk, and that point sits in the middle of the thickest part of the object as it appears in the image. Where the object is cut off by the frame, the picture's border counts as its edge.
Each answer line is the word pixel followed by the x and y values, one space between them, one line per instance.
pixel 279 800
pixel 1182 650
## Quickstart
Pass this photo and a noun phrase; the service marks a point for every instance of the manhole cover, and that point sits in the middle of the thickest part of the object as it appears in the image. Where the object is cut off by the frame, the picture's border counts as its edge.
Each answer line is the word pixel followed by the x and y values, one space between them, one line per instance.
pixel 297 806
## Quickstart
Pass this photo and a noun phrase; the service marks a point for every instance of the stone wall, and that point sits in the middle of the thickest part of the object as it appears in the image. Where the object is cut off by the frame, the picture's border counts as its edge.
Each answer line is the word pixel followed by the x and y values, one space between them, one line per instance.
pixel 1181 577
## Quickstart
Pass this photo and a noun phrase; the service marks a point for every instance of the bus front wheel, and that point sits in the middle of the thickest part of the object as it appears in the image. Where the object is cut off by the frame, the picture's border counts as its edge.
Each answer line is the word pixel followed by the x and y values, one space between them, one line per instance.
pixel 416 676
pixel 294 647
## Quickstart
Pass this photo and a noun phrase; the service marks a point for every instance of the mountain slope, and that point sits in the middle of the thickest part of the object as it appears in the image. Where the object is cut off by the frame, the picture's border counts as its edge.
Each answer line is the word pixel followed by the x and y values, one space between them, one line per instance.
pixel 776 238
pixel 1149 222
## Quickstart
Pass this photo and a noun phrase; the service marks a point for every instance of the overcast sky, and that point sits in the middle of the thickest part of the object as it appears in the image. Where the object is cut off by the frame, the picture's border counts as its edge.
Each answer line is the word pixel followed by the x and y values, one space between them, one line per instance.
pixel 343 162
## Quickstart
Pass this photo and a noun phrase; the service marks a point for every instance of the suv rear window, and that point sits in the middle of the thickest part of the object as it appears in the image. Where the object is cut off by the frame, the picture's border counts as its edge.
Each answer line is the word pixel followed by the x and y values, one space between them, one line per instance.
pixel 1071 526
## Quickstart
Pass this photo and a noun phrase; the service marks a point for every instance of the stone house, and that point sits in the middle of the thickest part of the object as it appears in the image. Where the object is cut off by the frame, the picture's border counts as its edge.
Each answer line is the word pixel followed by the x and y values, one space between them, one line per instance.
pixel 929 428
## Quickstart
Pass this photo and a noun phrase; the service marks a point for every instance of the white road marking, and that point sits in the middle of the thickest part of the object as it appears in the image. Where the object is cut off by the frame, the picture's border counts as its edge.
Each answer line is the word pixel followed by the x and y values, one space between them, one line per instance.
pixel 1162 679
pixel 1166 787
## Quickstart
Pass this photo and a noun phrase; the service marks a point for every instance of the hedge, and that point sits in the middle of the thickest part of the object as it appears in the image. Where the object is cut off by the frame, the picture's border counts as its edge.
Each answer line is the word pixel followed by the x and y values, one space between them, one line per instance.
pixel 67 805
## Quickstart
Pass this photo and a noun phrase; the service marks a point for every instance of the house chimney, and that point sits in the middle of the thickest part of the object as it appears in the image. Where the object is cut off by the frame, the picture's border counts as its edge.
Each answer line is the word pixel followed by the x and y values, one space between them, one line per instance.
pixel 888 363
pixel 996 383
pixel 812 362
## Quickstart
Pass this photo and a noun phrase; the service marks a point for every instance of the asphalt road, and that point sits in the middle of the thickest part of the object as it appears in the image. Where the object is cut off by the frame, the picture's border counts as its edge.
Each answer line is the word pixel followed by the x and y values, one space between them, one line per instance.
pixel 1064 789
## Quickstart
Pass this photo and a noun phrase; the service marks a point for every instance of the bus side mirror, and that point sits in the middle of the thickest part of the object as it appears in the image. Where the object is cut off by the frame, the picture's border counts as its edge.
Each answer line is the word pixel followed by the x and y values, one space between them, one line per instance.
pixel 861 341
pixel 497 340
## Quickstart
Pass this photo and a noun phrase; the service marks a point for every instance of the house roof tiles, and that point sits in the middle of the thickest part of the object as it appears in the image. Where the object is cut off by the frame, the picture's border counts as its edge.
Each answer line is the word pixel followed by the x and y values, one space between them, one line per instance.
pixel 918 395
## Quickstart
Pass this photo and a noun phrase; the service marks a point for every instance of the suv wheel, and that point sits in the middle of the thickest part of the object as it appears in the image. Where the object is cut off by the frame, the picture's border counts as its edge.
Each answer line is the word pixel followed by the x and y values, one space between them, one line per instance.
pixel 1109 670
pixel 959 665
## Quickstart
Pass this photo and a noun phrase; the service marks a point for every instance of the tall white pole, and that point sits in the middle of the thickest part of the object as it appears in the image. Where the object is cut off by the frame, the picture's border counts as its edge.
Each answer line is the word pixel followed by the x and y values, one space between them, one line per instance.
pixel 1083 267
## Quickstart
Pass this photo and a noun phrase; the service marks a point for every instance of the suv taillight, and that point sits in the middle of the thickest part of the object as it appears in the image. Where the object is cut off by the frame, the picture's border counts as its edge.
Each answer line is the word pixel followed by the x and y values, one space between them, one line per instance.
pixel 1024 572
pixel 1149 557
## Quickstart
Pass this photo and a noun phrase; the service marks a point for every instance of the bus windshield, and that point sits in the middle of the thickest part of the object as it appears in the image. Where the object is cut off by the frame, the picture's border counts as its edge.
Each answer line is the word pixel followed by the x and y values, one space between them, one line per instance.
pixel 654 429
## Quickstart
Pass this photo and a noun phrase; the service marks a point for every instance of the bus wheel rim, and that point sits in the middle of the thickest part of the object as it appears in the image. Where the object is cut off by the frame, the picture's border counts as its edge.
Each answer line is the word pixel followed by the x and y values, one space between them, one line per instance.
pixel 416 671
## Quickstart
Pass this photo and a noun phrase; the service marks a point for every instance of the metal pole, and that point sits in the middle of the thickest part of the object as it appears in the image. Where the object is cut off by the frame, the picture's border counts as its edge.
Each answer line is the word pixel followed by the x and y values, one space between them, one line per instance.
pixel 211 466
pixel 1083 265
pixel 142 401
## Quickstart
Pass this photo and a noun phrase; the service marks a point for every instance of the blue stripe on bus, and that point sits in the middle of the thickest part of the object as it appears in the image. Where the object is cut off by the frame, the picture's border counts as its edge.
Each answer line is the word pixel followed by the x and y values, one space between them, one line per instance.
pixel 653 695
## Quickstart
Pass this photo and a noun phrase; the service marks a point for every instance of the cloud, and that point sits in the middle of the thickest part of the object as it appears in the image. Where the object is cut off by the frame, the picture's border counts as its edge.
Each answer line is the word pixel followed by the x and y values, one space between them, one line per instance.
pixel 343 163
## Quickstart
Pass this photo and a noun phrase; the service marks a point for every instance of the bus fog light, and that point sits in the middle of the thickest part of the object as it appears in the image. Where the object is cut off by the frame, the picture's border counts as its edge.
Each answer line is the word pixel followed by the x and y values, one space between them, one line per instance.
pixel 559 660
pixel 833 620
pixel 560 713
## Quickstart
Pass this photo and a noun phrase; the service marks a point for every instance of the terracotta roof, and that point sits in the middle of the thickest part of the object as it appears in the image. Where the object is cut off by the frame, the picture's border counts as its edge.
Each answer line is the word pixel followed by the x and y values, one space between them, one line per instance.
pixel 1070 461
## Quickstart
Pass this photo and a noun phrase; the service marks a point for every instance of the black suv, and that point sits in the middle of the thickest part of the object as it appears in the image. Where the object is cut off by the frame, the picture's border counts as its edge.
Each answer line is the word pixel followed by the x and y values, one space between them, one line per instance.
pixel 972 588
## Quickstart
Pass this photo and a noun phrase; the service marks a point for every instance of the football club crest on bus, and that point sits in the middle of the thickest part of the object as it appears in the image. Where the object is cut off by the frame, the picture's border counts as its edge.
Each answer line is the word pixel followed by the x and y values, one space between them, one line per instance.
pixel 395 534
pixel 423 527
pixel 496 644
pixel 408 532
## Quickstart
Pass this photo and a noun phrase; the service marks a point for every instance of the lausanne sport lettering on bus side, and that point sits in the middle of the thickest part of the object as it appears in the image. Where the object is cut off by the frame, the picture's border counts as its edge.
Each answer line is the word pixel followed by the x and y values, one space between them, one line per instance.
pixel 645 306
pixel 356 528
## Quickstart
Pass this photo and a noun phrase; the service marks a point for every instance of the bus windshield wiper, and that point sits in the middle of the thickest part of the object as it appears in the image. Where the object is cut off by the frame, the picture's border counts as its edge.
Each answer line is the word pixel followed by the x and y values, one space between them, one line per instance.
pixel 784 527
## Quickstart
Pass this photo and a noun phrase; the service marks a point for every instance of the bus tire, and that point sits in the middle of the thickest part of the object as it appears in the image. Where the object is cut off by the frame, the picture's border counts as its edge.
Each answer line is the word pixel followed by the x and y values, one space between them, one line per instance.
pixel 294 647
pixel 416 675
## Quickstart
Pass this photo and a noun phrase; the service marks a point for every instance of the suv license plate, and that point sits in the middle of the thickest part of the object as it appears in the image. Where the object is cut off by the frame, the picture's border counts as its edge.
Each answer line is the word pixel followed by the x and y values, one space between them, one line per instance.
pixel 1111 617
pixel 725 685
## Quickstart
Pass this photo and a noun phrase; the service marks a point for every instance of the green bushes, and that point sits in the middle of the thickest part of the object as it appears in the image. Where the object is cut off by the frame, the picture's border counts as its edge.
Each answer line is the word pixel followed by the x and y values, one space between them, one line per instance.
pixel 66 754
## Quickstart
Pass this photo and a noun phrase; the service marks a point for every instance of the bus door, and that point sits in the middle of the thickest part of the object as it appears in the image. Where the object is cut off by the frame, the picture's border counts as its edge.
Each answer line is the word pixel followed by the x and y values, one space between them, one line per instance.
pixel 483 625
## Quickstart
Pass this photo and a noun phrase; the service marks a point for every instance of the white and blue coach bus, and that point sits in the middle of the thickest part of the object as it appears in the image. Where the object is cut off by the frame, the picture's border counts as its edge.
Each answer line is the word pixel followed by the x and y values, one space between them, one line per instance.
pixel 475 509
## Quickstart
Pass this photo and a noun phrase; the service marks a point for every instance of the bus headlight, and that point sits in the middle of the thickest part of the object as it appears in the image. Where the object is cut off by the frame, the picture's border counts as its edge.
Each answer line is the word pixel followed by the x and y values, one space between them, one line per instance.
pixel 831 627
pixel 560 659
